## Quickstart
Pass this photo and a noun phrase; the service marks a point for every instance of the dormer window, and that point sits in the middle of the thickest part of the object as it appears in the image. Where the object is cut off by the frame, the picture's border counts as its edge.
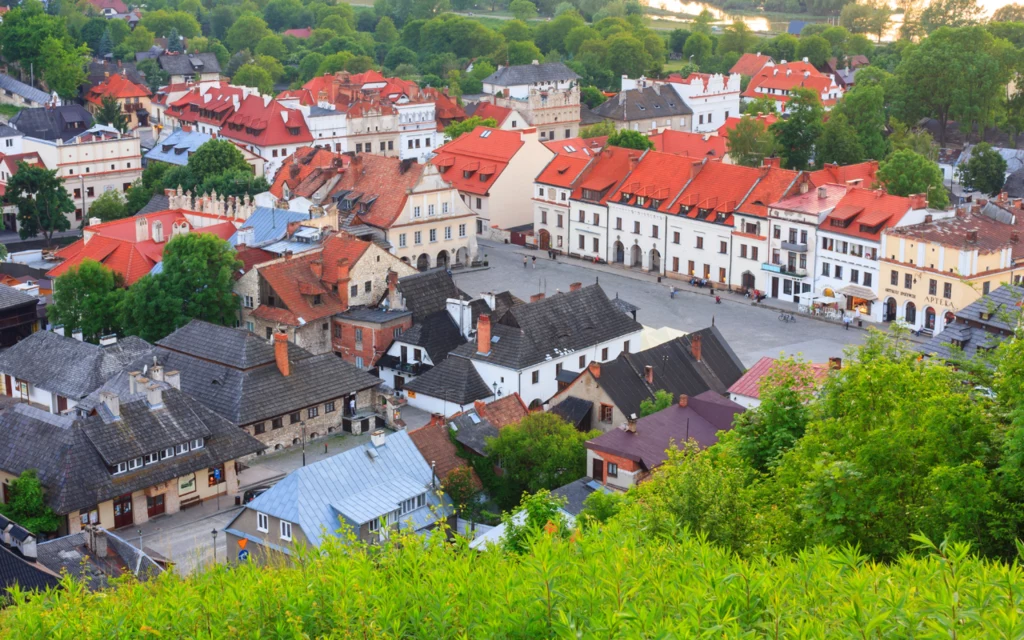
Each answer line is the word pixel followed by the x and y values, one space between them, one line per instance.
pixel 317 299
pixel 626 196
pixel 640 200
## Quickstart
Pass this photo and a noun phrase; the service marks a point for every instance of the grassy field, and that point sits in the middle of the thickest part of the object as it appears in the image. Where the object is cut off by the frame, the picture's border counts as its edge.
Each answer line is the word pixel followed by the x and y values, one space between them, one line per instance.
pixel 9 110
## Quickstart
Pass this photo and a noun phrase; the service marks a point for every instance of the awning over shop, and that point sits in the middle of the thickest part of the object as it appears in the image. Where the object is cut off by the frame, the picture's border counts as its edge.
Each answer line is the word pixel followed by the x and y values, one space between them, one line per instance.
pixel 857 291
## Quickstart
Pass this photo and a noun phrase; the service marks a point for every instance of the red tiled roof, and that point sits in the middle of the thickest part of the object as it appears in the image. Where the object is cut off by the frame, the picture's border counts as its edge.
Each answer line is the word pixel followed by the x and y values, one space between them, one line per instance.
pixel 695 145
pixel 117 5
pixel 338 247
pixel 116 86
pixel 212 107
pixel 749 384
pixel 383 178
pixel 812 201
pixel 302 34
pixel 730 123
pixel 496 149
pixel 113 243
pixel 445 109
pixel 864 172
pixel 562 171
pixel 10 161
pixel 786 77
pixel 866 208
pixel 606 171
pixel 307 170
pixel 266 124
pixel 503 411
pixel 486 110
pixel 772 186
pixel 750 63
pixel 717 189
pixel 252 256
pixel 437 448
pixel 577 147
pixel 296 286
pixel 658 176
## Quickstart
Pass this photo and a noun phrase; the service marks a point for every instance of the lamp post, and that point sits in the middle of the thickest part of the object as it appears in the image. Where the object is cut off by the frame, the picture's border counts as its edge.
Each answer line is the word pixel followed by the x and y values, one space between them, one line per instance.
pixel 214 534
pixel 303 425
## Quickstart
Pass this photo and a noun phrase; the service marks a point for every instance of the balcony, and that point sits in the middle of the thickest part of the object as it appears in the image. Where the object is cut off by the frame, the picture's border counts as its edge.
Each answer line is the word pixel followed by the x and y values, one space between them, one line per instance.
pixel 794 246
pixel 783 269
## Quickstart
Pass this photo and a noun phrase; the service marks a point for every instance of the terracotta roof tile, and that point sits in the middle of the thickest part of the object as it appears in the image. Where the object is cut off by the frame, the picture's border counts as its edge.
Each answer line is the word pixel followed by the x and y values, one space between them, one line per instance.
pixel 658 176
pixel 437 448
pixel 385 180
pixel 562 171
pixel 865 212
pixel 266 124
pixel 504 411
pixel 307 170
pixel 749 384
pixel 605 172
pixel 486 110
pixel 496 147
pixel 773 185
pixel 750 63
pixel 116 86
pixel 862 174
pixel 684 143
pixel 730 123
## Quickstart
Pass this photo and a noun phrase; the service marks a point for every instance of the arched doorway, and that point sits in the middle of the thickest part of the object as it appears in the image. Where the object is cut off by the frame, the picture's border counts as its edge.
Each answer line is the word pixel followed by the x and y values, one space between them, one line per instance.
pixel 619 255
pixel 911 314
pixel 636 259
pixel 747 280
pixel 655 261
pixel 462 256
pixel 442 259
pixel 544 238
pixel 423 262
pixel 929 318
pixel 889 314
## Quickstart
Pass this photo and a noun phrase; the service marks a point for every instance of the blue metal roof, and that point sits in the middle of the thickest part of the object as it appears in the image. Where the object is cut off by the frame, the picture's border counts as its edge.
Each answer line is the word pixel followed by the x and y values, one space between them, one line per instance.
pixel 269 225
pixel 177 147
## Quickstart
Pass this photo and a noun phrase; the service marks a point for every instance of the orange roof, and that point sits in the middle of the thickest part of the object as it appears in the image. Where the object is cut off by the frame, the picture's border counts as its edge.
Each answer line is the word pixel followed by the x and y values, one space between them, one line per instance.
pixel 113 244
pixel 863 213
pixel 445 109
pixel 716 192
pixel 787 77
pixel 695 145
pixel 381 183
pixel 813 201
pixel 749 384
pixel 212 107
pixel 486 110
pixel 482 145
pixel 436 447
pixel 657 177
pixel 750 63
pixel 562 171
pixel 118 87
pixel 606 171
pixel 861 174
pixel 10 161
pixel 577 147
pixel 503 411
pixel 252 256
pixel 307 170
pixel 266 124
pixel 773 185
pixel 730 123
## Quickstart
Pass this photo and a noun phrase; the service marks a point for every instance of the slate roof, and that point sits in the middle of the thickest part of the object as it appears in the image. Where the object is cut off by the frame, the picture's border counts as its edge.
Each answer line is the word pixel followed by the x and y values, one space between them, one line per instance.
pixel 437 448
pixel 529 333
pixel 706 415
pixel 71 554
pixel 73 456
pixel 26 91
pixel 58 123
pixel 572 410
pixel 437 334
pixel 982 324
pixel 530 73
pixel 180 64
pixel 472 430
pixel 643 104
pixel 7 131
pixel 66 366
pixel 15 570
pixel 11 297
pixel 356 486
pixel 428 292
pixel 233 372
pixel 455 380
pixel 159 202
pixel 576 492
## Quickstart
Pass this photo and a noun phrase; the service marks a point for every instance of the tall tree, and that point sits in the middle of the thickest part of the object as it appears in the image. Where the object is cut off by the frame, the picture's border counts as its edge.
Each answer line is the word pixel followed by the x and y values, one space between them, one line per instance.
pixel 917 140
pixel 199 269
pixel 63 66
pixel 149 311
pixel 87 297
pixel 110 113
pixel 43 202
pixel 984 171
pixel 797 134
pixel 456 129
pixel 950 13
pixel 662 400
pixel 737 37
pixel 27 505
pixel 523 9
pixel 838 143
pixel 750 142
pixel 109 206
pixel 906 173
pixel 106 44
pixel 174 44
pixel 816 49
pixel 864 109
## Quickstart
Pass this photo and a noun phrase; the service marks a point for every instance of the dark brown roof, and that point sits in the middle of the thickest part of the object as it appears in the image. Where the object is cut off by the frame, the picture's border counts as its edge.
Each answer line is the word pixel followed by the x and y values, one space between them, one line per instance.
pixel 437 449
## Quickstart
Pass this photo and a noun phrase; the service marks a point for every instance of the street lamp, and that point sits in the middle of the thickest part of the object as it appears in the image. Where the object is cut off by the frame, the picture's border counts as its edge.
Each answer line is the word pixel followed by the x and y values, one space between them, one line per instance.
pixel 303 425
pixel 214 534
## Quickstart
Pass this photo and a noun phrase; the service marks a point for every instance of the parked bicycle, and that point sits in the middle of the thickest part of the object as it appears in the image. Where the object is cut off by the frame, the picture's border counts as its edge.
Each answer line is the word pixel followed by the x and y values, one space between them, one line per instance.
pixel 787 317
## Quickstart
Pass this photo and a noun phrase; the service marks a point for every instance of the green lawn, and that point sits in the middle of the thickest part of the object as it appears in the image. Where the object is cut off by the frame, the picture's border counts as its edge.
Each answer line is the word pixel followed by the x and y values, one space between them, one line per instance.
pixel 9 110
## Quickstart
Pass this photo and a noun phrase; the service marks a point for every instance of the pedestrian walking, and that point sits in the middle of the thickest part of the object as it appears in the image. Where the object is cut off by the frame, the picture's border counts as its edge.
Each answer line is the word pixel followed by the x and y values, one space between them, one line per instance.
pixel 534 262
pixel 672 293
pixel 525 260
pixel 325 447
pixel 846 321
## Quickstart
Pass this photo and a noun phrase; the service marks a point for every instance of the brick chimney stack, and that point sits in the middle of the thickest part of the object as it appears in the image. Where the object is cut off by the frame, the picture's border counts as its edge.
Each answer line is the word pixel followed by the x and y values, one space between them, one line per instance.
pixel 695 347
pixel 595 368
pixel 919 201
pixel 536 297
pixel 575 286
pixel 483 333
pixel 281 353
pixel 631 423
pixel 684 400
pixel 649 374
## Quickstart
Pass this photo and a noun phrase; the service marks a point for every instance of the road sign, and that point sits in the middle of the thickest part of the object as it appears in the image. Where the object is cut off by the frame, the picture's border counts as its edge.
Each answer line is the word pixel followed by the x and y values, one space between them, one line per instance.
pixel 242 542
pixel 243 555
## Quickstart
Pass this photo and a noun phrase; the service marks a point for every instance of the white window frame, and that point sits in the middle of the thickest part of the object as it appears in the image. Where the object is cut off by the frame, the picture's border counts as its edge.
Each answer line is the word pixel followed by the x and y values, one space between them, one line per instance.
pixel 152 458
pixel 182 449
pixel 167 453
pixel 262 522
pixel 401 239
pixel 122 467
pixel 416 212
pixel 286 530
pixel 196 444
pixel 135 463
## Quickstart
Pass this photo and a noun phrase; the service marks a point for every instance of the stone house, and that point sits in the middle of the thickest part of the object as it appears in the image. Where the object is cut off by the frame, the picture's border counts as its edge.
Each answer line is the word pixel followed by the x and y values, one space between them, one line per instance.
pixel 271 388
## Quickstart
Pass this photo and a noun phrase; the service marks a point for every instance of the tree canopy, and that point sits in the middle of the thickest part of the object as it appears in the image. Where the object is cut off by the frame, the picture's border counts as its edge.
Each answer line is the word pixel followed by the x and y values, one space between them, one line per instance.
pixel 984 171
pixel 42 201
pixel 87 297
pixel 907 173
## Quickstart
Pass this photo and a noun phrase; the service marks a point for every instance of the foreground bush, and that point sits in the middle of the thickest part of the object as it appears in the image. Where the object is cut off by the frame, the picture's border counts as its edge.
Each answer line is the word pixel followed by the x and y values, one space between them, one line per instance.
pixel 616 582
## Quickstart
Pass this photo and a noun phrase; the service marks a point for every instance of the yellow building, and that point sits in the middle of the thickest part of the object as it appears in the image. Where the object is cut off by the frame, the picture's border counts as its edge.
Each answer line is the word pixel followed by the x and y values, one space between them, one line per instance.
pixel 931 270
pixel 133 98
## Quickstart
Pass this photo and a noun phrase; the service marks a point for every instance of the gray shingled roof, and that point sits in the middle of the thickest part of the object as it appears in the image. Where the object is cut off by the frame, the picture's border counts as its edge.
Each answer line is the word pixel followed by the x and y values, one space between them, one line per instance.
pixel 72 455
pixel 358 485
pixel 530 73
pixel 58 123
pixel 189 64
pixel 71 554
pixel 66 366
pixel 17 571
pixel 436 333
pixel 472 431
pixel 529 333
pixel 9 132
pixel 572 410
pixel 159 202
pixel 19 88
pixel 454 380
pixel 643 104
pixel 576 492
pixel 233 372
pixel 427 292
pixel 11 297
pixel 982 324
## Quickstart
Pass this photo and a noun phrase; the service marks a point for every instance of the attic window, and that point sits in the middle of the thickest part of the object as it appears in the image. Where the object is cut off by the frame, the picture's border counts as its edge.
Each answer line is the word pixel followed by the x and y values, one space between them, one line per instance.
pixel 642 107
pixel 317 299
pixel 626 196
pixel 570 149
pixel 640 200
pixel 656 106
pixel 655 204
pixel 838 223
pixel 485 134
pixel 494 339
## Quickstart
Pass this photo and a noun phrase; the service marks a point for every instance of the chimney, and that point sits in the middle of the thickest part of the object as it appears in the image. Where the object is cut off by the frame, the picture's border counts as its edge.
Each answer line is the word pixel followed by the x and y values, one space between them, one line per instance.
pixel 109 339
pixel 595 368
pixel 158 231
pixel 342 272
pixel 684 400
pixel 141 229
pixel 59 330
pixel 927 217
pixel 77 334
pixel 483 333
pixel 536 297
pixel 98 542
pixel 972 237
pixel 281 353
pixel 631 423
pixel 804 186
pixel 173 378
pixel 695 346
pixel 317 267
pixel 94 221
pixel 133 386
pixel 919 201
pixel 822 192
pixel 378 438
pixel 392 283
pixel 835 363
pixel 535 63
pixel 575 286
pixel 154 396
pixel 156 373
pixel 649 374
pixel 1014 237
pixel 112 402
